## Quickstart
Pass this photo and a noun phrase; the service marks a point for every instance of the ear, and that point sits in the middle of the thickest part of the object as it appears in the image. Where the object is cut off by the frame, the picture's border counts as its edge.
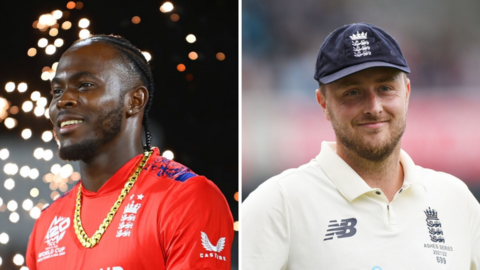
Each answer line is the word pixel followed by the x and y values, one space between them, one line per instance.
pixel 136 100
pixel 322 101
pixel 407 84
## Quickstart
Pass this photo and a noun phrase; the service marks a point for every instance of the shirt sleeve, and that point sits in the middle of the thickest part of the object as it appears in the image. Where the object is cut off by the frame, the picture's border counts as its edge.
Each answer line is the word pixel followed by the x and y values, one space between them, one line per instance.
pixel 474 208
pixel 265 237
pixel 31 254
pixel 196 227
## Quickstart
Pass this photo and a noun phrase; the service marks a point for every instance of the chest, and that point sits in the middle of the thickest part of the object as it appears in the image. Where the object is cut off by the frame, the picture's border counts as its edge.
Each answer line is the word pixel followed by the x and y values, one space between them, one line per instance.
pixel 331 233
pixel 130 241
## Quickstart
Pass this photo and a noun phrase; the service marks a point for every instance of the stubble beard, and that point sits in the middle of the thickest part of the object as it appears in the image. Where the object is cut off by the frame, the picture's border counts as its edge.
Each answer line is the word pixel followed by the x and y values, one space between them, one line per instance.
pixel 109 123
pixel 375 152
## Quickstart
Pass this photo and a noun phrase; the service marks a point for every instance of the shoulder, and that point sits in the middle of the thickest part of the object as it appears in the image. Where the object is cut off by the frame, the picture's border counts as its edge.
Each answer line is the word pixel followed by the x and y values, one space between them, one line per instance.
pixel 440 180
pixel 295 179
pixel 163 167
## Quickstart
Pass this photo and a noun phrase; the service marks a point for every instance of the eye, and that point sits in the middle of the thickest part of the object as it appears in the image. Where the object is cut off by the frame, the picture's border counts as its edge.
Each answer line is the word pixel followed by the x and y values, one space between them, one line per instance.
pixel 352 93
pixel 55 91
pixel 85 84
pixel 385 88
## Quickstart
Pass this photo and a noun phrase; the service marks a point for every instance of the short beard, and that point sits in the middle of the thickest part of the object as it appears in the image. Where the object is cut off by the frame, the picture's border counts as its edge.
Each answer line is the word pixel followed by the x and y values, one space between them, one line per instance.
pixel 109 123
pixel 375 153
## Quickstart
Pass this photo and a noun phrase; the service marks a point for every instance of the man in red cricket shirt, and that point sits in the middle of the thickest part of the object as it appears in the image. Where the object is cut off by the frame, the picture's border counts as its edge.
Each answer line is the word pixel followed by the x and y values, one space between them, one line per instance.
pixel 133 209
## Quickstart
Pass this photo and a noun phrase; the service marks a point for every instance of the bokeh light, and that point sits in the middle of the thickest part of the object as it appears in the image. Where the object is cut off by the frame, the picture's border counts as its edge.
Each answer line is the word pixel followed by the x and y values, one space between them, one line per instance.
pixel 12 205
pixel 47 155
pixel 27 106
pixel 57 14
pixel 78 5
pixel 4 154
pixel 24 171
pixel 26 134
pixel 47 136
pixel 14 217
pixel 18 258
pixel 181 67
pixel 236 226
pixel 22 87
pixel 42 102
pixel 56 168
pixel 147 56
pixel 4 238
pixel 191 38
pixel 166 7
pixel 10 168
pixel 42 43
pixel 34 192
pixel 193 55
pixel 27 205
pixel 66 25
pixel 83 23
pixel 220 56
pixel 33 174
pixel 10 122
pixel 71 5
pixel 66 171
pixel 174 17
pixel 10 87
pixel 53 32
pixel 58 42
pixel 84 33
pixel 39 111
pixel 34 96
pixel 32 52
pixel 38 153
pixel 50 49
pixel 35 212
pixel 136 20
pixel 168 154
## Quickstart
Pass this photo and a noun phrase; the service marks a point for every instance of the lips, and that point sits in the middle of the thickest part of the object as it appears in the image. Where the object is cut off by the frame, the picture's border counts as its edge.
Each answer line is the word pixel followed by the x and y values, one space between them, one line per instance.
pixel 68 123
pixel 374 125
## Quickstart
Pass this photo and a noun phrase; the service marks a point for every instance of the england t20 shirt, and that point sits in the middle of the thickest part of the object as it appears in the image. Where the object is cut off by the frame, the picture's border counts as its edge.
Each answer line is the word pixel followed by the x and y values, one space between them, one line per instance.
pixel 171 219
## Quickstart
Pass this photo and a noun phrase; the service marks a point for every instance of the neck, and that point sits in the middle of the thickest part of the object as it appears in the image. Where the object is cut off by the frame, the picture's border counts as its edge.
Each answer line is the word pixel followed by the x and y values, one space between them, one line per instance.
pixel 97 170
pixel 386 174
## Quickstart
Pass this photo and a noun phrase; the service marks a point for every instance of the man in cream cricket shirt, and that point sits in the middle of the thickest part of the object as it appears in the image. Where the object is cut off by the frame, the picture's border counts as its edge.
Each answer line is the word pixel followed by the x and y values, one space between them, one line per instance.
pixel 362 203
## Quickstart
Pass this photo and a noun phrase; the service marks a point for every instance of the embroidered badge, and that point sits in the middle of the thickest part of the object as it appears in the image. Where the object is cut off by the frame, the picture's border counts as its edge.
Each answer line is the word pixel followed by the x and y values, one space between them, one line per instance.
pixel 360 44
pixel 128 217
pixel 434 226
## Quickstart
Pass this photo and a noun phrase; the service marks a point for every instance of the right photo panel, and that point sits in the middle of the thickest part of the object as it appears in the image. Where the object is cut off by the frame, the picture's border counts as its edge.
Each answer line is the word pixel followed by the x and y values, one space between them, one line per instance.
pixel 360 135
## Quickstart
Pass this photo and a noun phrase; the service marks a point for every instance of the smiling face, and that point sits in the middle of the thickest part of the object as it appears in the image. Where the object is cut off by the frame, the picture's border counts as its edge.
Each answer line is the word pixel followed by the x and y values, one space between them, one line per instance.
pixel 88 108
pixel 368 111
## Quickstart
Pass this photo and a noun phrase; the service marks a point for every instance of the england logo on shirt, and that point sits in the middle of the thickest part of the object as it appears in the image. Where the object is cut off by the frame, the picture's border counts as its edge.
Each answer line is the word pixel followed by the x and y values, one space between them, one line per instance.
pixel 128 217
pixel 210 247
pixel 55 233
pixel 434 226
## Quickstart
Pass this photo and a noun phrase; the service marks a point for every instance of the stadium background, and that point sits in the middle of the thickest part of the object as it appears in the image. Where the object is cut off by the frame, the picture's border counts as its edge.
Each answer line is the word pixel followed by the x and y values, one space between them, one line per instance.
pixel 194 115
pixel 282 124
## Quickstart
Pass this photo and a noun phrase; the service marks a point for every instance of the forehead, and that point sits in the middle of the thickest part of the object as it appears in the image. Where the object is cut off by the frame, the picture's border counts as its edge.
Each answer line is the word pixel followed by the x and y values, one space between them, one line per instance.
pixel 88 56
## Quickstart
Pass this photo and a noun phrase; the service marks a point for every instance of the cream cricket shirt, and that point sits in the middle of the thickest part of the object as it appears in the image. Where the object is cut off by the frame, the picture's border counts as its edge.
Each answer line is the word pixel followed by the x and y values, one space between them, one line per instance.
pixel 324 216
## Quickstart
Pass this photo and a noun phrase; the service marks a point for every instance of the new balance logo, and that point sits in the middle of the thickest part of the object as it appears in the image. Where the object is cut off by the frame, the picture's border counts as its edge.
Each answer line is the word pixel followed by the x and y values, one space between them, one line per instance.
pixel 345 229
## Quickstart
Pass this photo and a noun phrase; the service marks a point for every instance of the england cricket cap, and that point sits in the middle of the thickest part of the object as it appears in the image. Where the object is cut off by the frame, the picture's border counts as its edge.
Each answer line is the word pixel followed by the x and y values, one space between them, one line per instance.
pixel 355 47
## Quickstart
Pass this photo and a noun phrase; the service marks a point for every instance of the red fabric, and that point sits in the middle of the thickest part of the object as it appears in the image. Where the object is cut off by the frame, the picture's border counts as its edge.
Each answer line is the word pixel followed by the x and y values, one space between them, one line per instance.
pixel 164 233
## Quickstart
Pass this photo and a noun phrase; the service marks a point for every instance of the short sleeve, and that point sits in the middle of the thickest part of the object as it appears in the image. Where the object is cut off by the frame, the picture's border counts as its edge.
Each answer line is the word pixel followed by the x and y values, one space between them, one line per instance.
pixel 196 227
pixel 265 237
pixel 474 209
pixel 31 254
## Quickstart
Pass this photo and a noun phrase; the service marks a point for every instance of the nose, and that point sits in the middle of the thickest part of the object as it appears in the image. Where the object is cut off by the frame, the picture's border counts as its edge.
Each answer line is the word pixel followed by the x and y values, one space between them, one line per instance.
pixel 373 104
pixel 66 102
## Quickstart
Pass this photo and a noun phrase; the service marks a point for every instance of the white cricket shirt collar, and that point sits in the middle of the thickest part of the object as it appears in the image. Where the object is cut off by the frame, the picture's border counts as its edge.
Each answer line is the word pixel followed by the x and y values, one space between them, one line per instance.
pixel 348 182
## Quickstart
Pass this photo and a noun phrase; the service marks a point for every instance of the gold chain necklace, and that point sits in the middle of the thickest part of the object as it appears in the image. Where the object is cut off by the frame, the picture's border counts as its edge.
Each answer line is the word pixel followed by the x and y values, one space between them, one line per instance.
pixel 77 223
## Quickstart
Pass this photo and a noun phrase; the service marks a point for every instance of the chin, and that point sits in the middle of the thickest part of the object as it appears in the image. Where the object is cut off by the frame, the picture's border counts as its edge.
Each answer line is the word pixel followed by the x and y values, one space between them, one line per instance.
pixel 78 151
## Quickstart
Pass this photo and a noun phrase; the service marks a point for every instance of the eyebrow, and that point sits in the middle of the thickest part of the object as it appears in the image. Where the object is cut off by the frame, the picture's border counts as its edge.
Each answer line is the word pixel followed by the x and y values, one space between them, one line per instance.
pixel 349 82
pixel 76 76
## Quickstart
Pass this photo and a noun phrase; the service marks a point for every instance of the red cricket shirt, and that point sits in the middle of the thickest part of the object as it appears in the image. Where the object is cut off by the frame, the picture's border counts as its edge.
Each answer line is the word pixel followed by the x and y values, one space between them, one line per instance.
pixel 171 219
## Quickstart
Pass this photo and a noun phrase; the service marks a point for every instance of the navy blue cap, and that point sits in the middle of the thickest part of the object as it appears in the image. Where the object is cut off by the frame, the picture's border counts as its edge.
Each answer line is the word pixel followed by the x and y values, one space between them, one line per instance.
pixel 355 47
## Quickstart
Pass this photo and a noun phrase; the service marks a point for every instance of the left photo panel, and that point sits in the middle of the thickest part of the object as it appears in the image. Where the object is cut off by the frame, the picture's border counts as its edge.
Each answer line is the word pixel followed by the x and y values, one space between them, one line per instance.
pixel 119 135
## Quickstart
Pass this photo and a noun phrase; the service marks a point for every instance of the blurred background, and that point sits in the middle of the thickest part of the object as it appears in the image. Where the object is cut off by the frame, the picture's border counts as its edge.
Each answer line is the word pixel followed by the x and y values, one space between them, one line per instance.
pixel 282 124
pixel 193 51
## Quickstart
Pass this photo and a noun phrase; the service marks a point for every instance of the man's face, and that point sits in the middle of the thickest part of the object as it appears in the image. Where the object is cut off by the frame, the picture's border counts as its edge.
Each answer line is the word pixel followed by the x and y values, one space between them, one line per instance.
pixel 87 107
pixel 368 111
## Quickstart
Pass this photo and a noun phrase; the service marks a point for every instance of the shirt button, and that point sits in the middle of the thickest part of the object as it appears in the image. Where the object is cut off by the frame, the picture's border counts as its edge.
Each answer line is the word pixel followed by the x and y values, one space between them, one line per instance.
pixel 378 192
